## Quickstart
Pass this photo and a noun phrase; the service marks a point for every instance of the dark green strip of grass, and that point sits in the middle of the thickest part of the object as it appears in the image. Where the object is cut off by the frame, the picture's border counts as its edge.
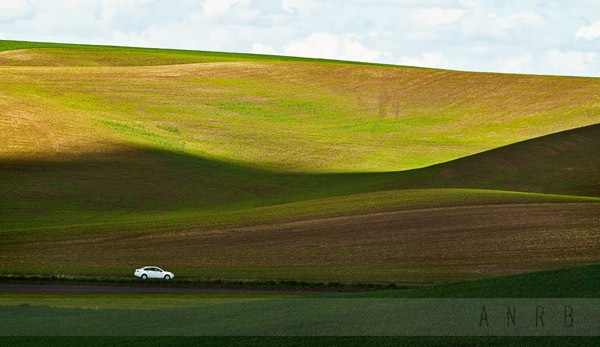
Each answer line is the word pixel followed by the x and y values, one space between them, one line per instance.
pixel 298 341
pixel 577 282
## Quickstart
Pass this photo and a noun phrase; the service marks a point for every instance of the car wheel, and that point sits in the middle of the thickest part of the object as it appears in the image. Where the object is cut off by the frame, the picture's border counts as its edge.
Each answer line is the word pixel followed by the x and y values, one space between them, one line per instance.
pixel 167 277
pixel 144 276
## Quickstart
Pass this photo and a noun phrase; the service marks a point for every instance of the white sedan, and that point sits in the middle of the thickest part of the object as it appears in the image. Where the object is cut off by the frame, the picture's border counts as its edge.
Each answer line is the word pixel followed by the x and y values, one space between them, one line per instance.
pixel 152 272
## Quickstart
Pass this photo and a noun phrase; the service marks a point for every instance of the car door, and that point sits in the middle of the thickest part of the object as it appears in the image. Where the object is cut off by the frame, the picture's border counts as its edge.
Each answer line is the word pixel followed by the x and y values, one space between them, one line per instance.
pixel 155 273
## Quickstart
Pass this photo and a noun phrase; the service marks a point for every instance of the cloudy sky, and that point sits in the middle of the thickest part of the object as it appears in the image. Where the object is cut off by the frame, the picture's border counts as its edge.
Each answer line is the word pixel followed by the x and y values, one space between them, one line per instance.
pixel 559 37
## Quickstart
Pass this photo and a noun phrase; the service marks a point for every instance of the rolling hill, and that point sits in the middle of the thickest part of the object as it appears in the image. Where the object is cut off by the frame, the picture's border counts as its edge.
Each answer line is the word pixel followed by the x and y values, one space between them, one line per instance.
pixel 232 165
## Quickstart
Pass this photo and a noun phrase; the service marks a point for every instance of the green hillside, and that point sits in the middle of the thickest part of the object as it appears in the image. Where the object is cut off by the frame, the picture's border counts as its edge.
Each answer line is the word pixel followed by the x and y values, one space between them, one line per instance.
pixel 278 113
pixel 233 165
pixel 563 163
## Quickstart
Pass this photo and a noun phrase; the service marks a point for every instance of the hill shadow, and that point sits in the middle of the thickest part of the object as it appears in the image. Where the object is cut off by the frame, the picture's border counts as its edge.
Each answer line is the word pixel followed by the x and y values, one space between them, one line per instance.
pixel 146 180
pixel 143 180
pixel 565 163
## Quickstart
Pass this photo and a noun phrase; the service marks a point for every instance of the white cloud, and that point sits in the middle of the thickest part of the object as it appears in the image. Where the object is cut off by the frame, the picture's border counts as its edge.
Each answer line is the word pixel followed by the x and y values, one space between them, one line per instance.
pixel 330 46
pixel 261 48
pixel 219 7
pixel 576 63
pixel 291 6
pixel 114 8
pixel 427 59
pixel 436 16
pixel 519 64
pixel 14 9
pixel 480 25
pixel 521 19
pixel 589 32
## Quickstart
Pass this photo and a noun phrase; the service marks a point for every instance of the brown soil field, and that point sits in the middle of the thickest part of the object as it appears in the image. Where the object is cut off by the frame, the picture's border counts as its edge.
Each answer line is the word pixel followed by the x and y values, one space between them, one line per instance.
pixel 439 244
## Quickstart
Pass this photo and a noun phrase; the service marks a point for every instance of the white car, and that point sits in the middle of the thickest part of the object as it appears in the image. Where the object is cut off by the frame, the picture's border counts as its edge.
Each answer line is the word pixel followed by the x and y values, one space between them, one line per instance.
pixel 152 272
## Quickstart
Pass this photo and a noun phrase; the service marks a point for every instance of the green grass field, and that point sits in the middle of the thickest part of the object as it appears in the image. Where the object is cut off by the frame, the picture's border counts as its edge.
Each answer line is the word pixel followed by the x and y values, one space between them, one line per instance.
pixel 180 319
pixel 237 166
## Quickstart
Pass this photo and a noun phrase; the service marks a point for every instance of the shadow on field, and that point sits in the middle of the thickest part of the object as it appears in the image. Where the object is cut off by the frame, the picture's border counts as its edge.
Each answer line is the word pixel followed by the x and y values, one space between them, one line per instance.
pixel 149 180
pixel 566 163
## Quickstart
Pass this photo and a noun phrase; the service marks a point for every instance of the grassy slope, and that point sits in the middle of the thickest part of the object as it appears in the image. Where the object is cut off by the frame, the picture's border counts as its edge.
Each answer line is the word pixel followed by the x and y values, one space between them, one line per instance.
pixel 563 163
pixel 111 139
pixel 282 114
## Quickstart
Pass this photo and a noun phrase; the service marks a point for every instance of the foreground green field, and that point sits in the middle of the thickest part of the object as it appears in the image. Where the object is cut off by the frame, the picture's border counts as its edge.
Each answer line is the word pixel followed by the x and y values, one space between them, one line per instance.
pixel 304 341
pixel 220 165
pixel 277 320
